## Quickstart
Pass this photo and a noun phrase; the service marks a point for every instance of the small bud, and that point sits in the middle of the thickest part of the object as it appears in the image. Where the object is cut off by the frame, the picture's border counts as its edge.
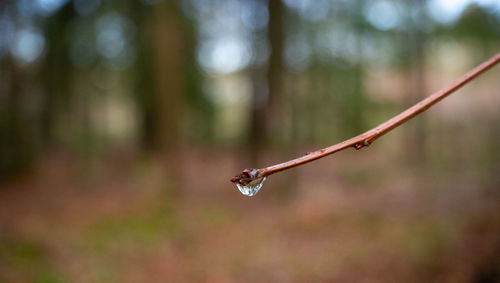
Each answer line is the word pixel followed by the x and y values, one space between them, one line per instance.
pixel 247 171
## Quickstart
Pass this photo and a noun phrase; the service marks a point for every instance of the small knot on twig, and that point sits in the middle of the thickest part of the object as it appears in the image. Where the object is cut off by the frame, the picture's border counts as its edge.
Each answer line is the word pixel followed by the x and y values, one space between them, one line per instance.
pixel 360 145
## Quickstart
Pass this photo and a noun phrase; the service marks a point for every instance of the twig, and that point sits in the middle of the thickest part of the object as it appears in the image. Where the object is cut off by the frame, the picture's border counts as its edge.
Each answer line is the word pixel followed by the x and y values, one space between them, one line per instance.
pixel 365 139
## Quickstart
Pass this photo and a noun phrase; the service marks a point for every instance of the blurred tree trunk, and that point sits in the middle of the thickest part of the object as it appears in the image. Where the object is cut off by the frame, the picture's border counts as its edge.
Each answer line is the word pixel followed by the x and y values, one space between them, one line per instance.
pixel 266 114
pixel 358 100
pixel 275 67
pixel 146 91
pixel 275 132
pixel 353 78
pixel 16 144
pixel 197 109
pixel 267 107
pixel 416 133
pixel 258 116
pixel 56 85
pixel 169 44
pixel 17 136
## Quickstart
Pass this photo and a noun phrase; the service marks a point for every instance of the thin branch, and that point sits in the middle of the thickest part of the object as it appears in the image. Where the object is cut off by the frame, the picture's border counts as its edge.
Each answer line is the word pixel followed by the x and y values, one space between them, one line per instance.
pixel 365 139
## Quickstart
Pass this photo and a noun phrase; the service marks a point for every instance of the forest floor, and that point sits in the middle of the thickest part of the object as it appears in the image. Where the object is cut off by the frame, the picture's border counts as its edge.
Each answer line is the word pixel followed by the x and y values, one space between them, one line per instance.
pixel 350 218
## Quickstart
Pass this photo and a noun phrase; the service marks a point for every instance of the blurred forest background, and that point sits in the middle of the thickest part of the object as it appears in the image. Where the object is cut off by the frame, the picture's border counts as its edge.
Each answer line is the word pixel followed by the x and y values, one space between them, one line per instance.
pixel 121 123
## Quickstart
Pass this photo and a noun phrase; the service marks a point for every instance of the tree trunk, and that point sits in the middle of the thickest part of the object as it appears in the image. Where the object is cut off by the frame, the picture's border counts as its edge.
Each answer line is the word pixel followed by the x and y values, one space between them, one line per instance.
pixel 146 92
pixel 266 99
pixel 275 68
pixel 415 138
pixel 169 44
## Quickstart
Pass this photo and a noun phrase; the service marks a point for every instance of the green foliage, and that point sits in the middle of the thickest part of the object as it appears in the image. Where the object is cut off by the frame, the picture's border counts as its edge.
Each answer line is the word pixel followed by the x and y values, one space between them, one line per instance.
pixel 26 260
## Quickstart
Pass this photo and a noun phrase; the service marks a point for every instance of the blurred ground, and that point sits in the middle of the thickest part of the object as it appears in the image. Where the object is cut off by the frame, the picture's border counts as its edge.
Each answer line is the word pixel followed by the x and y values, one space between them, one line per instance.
pixel 353 217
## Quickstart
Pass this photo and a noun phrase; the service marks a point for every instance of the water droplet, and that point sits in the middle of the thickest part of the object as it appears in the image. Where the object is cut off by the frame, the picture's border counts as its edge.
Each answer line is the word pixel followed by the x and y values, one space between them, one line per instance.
pixel 251 188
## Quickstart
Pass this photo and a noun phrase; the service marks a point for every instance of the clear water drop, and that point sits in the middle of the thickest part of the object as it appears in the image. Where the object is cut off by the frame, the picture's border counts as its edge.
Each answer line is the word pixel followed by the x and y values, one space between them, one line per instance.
pixel 252 188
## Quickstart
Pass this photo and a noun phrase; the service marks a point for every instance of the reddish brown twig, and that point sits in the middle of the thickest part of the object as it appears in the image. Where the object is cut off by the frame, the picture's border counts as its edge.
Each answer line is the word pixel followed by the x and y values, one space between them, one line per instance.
pixel 368 137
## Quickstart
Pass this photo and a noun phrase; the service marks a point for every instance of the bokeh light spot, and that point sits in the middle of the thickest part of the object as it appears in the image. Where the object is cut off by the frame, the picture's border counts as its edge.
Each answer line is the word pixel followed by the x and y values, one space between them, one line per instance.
pixel 28 45
pixel 383 15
